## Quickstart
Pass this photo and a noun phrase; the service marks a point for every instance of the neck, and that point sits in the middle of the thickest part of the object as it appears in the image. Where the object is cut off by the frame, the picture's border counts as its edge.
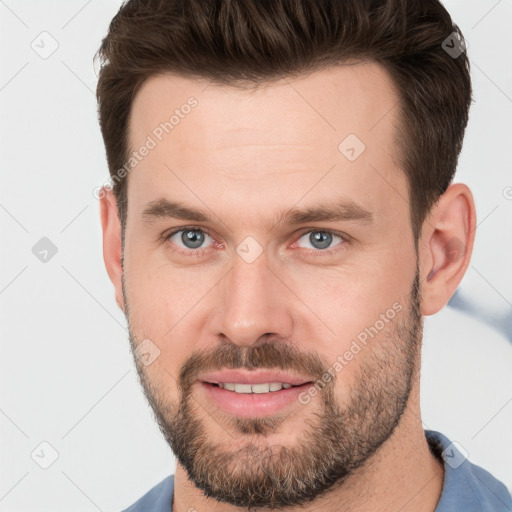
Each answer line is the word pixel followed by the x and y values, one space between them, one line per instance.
pixel 403 475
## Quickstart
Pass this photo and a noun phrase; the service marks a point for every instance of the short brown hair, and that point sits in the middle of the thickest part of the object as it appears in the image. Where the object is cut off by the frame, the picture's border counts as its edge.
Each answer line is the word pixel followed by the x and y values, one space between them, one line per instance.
pixel 248 42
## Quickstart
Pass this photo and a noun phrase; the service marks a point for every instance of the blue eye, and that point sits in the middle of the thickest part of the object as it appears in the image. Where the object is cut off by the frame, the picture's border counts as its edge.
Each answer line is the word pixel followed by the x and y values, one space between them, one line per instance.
pixel 320 239
pixel 188 238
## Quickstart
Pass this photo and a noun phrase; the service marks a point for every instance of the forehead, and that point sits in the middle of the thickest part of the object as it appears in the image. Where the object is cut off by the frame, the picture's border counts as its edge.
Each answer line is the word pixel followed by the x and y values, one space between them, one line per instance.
pixel 317 108
pixel 285 139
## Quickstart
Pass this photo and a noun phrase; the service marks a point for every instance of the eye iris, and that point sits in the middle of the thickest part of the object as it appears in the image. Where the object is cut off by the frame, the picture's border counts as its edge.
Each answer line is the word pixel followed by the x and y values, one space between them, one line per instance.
pixel 192 239
pixel 321 238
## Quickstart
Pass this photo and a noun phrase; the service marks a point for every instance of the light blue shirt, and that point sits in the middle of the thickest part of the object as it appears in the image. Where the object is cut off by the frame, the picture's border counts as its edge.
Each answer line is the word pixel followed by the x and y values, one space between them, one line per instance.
pixel 466 488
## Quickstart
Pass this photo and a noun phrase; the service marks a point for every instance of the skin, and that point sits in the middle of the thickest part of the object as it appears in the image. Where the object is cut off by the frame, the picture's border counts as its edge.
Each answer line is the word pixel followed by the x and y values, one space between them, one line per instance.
pixel 245 156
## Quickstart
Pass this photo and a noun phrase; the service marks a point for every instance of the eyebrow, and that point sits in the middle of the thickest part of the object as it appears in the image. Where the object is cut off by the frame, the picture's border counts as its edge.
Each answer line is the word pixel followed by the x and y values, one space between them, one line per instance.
pixel 332 212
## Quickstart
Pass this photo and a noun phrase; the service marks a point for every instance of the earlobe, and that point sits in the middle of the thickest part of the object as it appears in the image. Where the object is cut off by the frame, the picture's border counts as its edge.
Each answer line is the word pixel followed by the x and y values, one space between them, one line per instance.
pixel 112 248
pixel 446 246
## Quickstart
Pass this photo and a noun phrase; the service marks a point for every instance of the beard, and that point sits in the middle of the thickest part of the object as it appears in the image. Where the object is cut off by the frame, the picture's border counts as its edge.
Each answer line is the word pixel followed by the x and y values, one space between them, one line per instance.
pixel 248 471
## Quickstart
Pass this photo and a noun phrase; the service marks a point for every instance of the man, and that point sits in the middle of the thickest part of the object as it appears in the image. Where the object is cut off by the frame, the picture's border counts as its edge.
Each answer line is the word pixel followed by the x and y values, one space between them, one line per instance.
pixel 283 214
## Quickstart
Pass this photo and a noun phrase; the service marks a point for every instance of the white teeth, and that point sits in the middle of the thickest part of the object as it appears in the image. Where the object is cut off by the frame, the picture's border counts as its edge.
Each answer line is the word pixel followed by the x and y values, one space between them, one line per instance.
pixel 260 388
pixel 254 388
pixel 243 388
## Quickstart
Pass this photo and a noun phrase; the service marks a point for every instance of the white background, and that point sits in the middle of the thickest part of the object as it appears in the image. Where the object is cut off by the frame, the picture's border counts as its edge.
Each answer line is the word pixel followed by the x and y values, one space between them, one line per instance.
pixel 66 373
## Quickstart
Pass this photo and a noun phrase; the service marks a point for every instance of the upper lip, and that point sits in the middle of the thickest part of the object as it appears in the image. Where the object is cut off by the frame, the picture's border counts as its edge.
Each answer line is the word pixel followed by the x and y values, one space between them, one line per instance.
pixel 253 377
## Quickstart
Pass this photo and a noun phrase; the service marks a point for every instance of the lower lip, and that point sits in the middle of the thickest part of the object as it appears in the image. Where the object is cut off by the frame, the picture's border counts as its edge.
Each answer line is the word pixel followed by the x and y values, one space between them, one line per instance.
pixel 250 405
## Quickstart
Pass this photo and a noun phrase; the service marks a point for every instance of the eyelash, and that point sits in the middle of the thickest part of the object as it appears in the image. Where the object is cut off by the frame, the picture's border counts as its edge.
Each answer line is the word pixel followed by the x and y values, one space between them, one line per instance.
pixel 200 252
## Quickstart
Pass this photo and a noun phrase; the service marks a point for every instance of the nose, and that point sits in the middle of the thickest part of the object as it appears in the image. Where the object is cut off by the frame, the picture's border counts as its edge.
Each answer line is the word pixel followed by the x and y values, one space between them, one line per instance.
pixel 254 301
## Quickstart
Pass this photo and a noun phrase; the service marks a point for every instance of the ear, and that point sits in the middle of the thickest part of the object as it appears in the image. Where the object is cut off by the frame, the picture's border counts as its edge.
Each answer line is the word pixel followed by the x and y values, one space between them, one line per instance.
pixel 112 249
pixel 445 246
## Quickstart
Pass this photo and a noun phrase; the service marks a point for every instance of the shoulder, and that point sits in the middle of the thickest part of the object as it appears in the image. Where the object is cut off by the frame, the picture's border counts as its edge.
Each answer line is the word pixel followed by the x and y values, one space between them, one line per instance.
pixel 466 486
pixel 157 499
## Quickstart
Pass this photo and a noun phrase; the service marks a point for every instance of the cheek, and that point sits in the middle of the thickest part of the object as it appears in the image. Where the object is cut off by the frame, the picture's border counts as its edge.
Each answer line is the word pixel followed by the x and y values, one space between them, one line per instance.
pixel 352 312
pixel 168 307
pixel 160 295
pixel 346 300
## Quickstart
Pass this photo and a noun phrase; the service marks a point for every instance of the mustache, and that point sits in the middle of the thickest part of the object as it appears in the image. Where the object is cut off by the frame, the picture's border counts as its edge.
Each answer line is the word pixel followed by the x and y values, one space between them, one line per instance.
pixel 268 355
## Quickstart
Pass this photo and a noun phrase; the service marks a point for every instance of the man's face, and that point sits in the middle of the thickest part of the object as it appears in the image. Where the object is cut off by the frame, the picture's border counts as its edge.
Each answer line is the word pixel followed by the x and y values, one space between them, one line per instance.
pixel 280 298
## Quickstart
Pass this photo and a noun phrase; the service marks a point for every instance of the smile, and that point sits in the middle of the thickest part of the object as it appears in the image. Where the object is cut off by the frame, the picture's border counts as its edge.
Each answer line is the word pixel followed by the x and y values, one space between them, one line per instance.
pixel 254 388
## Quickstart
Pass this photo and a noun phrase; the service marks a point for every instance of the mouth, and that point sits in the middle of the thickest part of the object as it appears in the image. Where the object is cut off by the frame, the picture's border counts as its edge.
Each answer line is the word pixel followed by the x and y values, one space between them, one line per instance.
pixel 266 387
pixel 253 394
